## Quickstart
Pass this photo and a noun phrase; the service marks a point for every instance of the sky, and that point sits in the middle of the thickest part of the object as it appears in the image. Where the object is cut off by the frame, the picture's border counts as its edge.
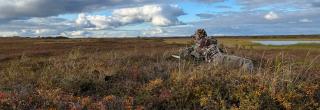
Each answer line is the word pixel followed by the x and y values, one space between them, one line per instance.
pixel 157 18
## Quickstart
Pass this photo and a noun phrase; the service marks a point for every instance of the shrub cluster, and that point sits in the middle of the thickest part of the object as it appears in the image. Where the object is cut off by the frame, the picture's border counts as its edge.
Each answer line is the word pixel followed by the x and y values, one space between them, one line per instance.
pixel 149 79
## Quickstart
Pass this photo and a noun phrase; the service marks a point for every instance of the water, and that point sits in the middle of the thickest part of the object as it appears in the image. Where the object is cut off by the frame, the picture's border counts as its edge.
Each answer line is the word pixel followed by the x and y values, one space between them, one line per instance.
pixel 283 43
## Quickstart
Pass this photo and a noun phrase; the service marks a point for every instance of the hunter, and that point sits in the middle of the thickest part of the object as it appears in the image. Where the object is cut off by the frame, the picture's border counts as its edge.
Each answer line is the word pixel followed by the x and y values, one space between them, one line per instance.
pixel 204 48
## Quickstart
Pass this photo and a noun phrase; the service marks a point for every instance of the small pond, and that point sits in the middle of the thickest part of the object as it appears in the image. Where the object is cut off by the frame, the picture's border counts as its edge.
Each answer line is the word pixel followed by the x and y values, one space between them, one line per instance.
pixel 283 43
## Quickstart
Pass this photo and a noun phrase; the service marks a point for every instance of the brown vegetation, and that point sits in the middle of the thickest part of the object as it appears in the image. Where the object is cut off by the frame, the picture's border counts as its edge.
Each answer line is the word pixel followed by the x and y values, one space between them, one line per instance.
pixel 139 74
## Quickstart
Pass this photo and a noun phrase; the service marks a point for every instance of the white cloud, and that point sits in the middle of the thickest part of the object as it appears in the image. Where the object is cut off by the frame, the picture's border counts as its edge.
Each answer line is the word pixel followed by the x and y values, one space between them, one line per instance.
pixel 271 16
pixel 25 9
pixel 305 20
pixel 154 32
pixel 77 33
pixel 8 33
pixel 39 18
pixel 159 15
pixel 46 32
pixel 37 27
pixel 82 21
pixel 22 9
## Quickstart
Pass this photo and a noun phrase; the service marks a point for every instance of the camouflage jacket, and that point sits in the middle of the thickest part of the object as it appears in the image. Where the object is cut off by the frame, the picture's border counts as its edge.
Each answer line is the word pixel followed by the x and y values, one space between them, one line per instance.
pixel 204 49
pixel 203 44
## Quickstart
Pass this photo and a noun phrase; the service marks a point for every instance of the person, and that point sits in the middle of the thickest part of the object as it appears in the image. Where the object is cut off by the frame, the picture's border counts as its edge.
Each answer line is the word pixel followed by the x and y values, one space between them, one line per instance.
pixel 204 48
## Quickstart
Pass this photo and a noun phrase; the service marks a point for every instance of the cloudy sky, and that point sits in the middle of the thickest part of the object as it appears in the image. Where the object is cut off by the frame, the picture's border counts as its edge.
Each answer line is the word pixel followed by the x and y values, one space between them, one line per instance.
pixel 130 18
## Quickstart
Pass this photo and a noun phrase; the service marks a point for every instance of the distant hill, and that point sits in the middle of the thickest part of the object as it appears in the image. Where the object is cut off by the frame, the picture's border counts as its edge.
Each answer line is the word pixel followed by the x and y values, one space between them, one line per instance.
pixel 58 37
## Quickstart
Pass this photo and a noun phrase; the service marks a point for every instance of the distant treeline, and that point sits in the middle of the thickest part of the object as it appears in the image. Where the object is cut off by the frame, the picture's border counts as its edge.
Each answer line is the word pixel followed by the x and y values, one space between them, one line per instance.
pixel 57 37
pixel 49 37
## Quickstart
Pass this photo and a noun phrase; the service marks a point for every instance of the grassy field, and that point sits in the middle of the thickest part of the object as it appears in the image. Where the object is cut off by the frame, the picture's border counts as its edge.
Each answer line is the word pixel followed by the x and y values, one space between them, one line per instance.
pixel 140 74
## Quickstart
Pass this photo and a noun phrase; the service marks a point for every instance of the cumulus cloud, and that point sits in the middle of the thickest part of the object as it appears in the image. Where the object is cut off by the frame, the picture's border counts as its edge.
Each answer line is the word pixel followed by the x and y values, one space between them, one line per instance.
pixel 271 16
pixel 159 15
pixel 39 18
pixel 83 21
pixel 86 25
pixel 25 9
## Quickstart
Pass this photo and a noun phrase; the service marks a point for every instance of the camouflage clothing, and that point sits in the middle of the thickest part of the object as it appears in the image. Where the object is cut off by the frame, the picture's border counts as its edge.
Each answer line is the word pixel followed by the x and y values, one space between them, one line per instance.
pixel 207 50
pixel 204 48
pixel 210 52
pixel 199 34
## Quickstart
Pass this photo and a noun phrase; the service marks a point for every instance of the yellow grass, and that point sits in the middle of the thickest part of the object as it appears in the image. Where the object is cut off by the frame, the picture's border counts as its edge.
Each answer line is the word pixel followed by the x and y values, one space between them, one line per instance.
pixel 138 73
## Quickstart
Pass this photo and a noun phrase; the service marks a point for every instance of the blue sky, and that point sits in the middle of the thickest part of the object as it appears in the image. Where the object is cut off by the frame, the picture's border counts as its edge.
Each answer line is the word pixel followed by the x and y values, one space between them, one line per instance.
pixel 130 18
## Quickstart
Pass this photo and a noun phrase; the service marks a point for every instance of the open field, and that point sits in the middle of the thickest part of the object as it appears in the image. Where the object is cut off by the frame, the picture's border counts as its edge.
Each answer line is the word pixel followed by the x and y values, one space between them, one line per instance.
pixel 140 74
pixel 246 41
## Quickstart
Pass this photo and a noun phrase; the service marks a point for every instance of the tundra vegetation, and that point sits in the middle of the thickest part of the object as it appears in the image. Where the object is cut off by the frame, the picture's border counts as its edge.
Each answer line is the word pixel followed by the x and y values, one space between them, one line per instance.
pixel 140 74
